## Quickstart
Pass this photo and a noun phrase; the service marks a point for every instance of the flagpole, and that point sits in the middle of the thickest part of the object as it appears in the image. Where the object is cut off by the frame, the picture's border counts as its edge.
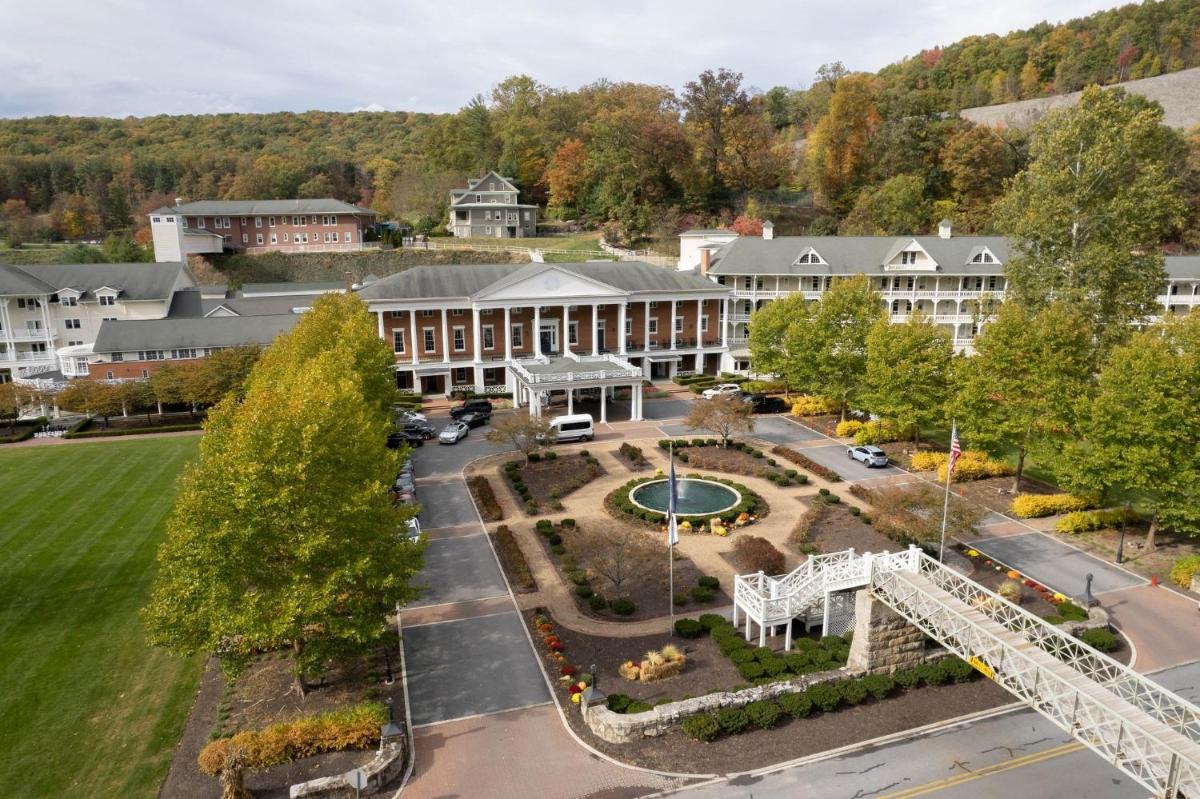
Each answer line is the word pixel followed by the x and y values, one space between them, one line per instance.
pixel 671 533
pixel 946 501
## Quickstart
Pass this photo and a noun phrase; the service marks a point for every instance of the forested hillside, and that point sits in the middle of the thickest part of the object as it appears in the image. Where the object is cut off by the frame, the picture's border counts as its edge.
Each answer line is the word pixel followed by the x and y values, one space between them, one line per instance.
pixel 855 152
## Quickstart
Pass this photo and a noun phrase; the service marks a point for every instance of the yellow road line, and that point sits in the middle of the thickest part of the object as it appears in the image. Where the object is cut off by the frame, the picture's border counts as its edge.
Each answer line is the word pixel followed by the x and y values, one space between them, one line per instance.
pixel 1007 765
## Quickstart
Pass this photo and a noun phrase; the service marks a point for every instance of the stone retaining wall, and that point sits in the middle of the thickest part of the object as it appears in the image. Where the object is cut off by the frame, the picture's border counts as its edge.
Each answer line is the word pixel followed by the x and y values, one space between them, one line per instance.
pixel 387 765
pixel 621 728
pixel 884 641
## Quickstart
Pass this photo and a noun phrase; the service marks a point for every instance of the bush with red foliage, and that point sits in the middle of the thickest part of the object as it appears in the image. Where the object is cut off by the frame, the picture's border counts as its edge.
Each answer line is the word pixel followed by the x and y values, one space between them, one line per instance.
pixel 753 553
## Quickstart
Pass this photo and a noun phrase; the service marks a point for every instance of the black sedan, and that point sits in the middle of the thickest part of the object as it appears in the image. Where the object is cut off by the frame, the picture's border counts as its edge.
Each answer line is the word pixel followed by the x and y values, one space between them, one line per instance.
pixel 761 403
pixel 399 438
pixel 475 419
pixel 423 429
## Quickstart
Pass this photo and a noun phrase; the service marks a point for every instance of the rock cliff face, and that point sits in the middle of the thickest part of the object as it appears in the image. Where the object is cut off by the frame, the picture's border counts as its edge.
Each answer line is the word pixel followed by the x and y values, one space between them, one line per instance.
pixel 1178 93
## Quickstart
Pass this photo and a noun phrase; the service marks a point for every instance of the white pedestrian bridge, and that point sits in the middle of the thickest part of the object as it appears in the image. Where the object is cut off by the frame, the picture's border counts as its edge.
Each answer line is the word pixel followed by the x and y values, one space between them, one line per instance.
pixel 1148 732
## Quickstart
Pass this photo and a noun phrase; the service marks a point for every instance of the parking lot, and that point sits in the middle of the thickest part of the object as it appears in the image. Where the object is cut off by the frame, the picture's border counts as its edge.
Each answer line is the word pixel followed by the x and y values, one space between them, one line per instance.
pixel 834 457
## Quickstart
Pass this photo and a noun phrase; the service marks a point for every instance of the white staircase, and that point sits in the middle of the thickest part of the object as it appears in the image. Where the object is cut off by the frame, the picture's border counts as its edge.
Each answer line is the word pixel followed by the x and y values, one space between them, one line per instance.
pixel 1148 732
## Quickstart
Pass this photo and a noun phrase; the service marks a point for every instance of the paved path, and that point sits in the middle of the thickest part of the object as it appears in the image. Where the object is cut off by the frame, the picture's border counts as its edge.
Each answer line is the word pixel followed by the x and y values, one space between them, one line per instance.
pixel 485 723
pixel 1012 754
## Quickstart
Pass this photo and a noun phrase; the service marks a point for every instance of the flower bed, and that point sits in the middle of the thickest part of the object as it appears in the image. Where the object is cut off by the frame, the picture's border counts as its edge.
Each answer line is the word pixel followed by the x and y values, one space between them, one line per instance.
pixel 749 509
pixel 738 458
pixel 485 498
pixel 792 455
pixel 546 478
pixel 513 559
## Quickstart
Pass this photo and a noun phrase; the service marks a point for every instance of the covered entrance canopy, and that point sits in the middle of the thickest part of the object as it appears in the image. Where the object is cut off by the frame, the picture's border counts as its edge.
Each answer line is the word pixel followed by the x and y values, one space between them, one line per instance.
pixel 535 376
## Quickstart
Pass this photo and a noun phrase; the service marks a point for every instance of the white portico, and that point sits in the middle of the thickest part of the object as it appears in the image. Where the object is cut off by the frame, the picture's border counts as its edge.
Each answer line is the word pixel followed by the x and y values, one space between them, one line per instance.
pixel 536 377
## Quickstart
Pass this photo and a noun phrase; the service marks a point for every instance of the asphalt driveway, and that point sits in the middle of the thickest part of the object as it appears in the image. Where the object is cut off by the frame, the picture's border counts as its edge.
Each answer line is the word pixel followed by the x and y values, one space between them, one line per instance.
pixel 834 457
pixel 445 503
pixel 457 569
pixel 1056 565
pixel 471 666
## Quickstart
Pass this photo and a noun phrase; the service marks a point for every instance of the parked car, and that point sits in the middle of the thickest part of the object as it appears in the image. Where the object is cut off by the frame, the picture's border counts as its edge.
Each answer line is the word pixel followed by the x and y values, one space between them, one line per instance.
pixel 761 403
pixel 723 390
pixel 405 415
pixel 476 419
pixel 472 406
pixel 398 438
pixel 405 483
pixel 413 529
pixel 424 429
pixel 453 433
pixel 871 456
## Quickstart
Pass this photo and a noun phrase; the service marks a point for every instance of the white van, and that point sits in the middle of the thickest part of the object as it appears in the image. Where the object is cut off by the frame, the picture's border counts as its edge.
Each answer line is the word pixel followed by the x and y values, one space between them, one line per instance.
pixel 574 427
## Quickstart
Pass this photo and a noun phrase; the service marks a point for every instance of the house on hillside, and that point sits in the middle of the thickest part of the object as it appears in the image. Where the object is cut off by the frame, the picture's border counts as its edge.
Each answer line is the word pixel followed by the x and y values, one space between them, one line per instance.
pixel 258 226
pixel 488 208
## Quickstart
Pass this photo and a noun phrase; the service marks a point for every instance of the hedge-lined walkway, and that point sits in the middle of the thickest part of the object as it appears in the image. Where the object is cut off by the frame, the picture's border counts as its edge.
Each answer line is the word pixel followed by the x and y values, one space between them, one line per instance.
pixel 53 440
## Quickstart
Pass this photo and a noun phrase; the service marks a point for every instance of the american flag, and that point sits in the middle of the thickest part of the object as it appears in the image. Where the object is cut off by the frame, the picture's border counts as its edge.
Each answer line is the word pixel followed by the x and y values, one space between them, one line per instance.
pixel 673 498
pixel 955 450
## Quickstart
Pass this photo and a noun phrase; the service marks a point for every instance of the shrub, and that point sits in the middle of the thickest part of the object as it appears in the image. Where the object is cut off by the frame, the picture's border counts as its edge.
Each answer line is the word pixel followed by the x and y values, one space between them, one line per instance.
pixel 824 696
pixel 807 462
pixel 820 658
pixel 926 460
pixel 879 686
pixel 975 465
pixel 633 454
pixel 583 591
pixel 638 706
pixel 797 706
pixel 1012 591
pixel 680 600
pixel 545 526
pixel 848 428
pixel 742 655
pixel 933 674
pixel 597 603
pixel 535 457
pixel 1032 506
pixel 732 720
pixel 763 714
pixel 1069 611
pixel 907 678
pixel 567 524
pixel 763 653
pixel 1088 520
pixel 956 669
pixel 751 670
pixel 709 621
pixel 513 558
pixel 753 553
pixel 578 576
pixel 554 538
pixel 623 606
pixel 730 645
pixel 708 581
pixel 774 666
pixel 558 549
pixel 814 406
pixel 854 510
pixel 702 727
pixel 617 703
pixel 702 594
pixel 1100 639
pixel 1184 569
pixel 797 662
pixel 352 728
pixel 853 691
pixel 551 455
pixel 689 628
pixel 485 498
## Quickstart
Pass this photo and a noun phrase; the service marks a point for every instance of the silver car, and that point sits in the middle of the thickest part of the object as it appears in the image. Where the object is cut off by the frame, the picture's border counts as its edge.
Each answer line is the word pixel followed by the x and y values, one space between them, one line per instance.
pixel 453 433
pixel 871 456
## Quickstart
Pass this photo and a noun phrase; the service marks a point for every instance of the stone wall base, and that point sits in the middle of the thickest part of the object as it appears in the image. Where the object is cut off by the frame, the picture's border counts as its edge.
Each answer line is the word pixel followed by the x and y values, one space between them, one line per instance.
pixel 387 765
pixel 884 641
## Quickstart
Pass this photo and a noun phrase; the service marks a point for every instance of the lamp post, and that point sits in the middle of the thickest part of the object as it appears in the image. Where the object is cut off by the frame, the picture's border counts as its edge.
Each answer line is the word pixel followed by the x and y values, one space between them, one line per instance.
pixel 1121 541
pixel 592 694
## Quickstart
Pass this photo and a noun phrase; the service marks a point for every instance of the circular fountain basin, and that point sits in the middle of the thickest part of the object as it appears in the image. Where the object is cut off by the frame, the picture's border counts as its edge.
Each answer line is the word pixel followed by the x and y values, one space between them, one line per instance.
pixel 695 497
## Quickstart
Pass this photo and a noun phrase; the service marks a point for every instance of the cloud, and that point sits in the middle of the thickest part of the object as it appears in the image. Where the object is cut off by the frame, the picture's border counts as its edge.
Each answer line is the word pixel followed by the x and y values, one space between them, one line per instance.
pixel 130 57
pixel 373 107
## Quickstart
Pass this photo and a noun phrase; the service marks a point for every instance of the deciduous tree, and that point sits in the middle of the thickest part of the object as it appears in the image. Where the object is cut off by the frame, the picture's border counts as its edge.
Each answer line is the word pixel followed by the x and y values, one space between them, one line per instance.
pixel 620 554
pixel 908 372
pixel 721 416
pixel 838 145
pixel 527 434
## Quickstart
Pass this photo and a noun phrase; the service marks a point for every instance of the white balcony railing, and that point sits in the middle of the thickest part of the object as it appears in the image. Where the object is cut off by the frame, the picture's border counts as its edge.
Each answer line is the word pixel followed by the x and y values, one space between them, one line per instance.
pixel 29 334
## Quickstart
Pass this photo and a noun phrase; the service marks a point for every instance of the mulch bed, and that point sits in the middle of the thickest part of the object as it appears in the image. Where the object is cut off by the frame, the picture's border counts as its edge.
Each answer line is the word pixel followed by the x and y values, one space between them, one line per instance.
pixel 822 424
pixel 261 697
pixel 838 530
pixel 629 464
pixel 732 461
pixel 141 422
pixel 651 597
pixel 551 479
pixel 995 493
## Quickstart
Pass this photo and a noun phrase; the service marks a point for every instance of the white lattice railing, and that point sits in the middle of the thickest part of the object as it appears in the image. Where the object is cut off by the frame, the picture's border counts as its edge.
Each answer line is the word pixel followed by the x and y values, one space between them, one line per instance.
pixel 1150 733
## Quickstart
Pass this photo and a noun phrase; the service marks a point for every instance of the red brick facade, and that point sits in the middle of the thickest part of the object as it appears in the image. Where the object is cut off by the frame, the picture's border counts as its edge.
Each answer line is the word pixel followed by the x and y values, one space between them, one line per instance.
pixel 295 232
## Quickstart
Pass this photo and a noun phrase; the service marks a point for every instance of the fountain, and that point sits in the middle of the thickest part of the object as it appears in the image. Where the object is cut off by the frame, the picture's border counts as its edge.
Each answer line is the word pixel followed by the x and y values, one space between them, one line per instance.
pixel 695 496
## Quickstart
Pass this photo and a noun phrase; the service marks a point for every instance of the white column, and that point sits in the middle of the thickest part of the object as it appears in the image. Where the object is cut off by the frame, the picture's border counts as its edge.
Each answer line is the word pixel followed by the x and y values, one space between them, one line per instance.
pixel 604 404
pixel 516 389
pixel 699 316
pixel 595 327
pixel 636 402
pixel 380 315
pixel 446 344
pixel 646 332
pixel 477 346
pixel 507 334
pixel 478 378
pixel 566 329
pixel 673 312
pixel 725 323
pixel 570 400
pixel 621 327
pixel 537 330
pixel 412 324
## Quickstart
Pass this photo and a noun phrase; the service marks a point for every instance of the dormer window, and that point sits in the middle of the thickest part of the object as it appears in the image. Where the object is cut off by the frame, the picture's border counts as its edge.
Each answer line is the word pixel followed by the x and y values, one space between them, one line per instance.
pixel 107 300
pixel 908 257
pixel 809 257
pixel 984 257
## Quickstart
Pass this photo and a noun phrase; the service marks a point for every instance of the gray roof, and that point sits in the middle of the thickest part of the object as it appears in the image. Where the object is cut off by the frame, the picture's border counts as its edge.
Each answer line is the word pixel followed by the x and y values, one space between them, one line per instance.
pixel 307 287
pixel 138 281
pixel 493 205
pixel 189 304
pixel 466 280
pixel 1183 267
pixel 708 232
pixel 169 334
pixel 264 207
pixel 849 255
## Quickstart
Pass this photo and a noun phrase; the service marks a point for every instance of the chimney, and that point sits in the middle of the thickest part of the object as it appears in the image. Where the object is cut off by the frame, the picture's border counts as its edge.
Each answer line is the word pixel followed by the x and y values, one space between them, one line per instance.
pixel 705 255
pixel 944 229
pixel 768 230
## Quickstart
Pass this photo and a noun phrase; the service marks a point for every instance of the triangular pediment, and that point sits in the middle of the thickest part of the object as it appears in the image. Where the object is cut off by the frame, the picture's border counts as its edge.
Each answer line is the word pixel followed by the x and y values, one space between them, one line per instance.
pixel 548 285
pixel 896 257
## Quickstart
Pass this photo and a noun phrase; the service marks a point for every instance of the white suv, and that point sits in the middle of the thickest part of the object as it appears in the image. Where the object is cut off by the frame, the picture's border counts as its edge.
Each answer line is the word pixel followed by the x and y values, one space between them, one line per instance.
pixel 723 390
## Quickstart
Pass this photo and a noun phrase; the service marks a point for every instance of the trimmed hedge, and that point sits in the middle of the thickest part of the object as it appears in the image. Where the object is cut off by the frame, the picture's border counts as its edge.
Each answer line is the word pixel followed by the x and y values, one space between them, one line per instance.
pixel 1034 506
pixel 1088 520
pixel 141 431
pixel 619 502
pixel 23 430
pixel 808 463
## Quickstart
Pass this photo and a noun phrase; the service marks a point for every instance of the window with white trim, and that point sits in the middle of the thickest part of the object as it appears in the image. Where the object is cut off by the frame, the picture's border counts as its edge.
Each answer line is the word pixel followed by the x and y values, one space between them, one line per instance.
pixel 200 222
pixel 108 375
pixel 106 300
pixel 243 221
pixel 258 223
pixel 460 338
pixel 285 238
pixel 704 323
pixel 678 324
pixel 274 238
pixel 572 332
pixel 984 257
pixel 628 327
pixel 456 312
pixel 296 220
pixel 398 340
pixel 653 326
pixel 69 302
pixel 258 239
pixel 270 221
pixel 517 335
pixel 150 355
pixel 489 337
pixel 430 342
pixel 145 373
pixel 397 314
pixel 908 257
pixel 427 312
pixel 183 354
pixel 71 324
pixel 117 357
pixel 245 238
pixel 345 236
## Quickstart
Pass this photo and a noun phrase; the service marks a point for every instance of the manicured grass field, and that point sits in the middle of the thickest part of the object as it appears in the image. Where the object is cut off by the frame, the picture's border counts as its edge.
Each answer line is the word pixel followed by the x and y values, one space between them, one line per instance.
pixel 87 707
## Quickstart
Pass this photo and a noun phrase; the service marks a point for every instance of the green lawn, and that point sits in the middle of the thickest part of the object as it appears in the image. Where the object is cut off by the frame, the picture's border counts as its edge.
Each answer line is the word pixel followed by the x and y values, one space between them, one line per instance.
pixel 88 708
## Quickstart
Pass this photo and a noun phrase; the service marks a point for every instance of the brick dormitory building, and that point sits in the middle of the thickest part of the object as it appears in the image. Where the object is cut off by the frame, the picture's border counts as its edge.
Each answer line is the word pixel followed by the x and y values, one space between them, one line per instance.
pixel 526 329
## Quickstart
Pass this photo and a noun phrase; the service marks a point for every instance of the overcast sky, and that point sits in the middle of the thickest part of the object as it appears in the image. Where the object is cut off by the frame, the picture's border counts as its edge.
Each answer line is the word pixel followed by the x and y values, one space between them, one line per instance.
pixel 123 57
